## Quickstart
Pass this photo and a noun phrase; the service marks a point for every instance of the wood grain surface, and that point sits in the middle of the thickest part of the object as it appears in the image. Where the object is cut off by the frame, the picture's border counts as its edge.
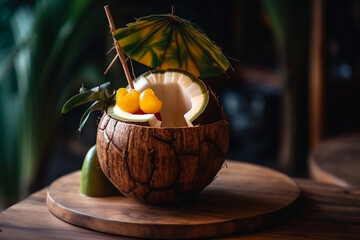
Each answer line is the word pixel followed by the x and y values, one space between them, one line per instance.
pixel 337 161
pixel 328 213
pixel 241 199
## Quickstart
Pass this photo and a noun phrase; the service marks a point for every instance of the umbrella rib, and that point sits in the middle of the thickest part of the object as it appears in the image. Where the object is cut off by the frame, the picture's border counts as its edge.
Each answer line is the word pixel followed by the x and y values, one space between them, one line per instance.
pixel 144 40
pixel 203 48
pixel 209 55
pixel 111 63
pixel 167 44
pixel 113 47
pixel 187 47
pixel 137 27
pixel 141 26
pixel 178 51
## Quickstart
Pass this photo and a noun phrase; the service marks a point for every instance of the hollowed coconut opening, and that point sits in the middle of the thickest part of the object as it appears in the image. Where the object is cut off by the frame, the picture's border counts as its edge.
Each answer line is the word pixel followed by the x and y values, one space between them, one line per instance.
pixel 176 103
pixel 183 96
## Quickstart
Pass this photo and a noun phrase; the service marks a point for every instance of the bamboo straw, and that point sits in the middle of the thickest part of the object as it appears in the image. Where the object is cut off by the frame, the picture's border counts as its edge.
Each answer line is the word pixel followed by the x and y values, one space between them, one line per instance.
pixel 118 48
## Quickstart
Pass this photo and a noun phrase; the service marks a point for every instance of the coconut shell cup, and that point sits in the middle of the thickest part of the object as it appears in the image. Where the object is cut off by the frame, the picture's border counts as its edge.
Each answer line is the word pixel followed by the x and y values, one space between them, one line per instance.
pixel 161 165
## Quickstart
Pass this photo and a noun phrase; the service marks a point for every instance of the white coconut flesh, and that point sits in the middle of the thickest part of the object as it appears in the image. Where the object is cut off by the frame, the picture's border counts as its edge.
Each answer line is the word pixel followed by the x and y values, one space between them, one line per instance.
pixel 183 96
pixel 121 115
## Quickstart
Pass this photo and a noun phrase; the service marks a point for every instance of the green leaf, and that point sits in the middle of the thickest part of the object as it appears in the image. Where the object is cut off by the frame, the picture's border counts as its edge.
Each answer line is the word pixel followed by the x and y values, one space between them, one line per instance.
pixel 102 93
pixel 78 99
pixel 106 88
pixel 86 115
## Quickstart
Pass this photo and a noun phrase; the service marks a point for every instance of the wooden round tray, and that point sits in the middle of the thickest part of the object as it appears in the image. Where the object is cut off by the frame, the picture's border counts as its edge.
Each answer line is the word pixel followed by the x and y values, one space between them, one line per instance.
pixel 244 197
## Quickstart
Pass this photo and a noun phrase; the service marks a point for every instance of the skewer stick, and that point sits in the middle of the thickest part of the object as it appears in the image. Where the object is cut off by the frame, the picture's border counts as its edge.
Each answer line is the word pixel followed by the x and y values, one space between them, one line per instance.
pixel 112 62
pixel 112 48
pixel 118 48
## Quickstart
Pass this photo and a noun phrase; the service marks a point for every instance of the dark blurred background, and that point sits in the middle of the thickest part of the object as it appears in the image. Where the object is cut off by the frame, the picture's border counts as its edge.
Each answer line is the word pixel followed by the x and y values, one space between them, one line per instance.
pixel 276 47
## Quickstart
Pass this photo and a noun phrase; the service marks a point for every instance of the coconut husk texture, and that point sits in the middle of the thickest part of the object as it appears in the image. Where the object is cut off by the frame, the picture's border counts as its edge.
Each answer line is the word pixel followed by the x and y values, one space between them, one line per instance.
pixel 161 165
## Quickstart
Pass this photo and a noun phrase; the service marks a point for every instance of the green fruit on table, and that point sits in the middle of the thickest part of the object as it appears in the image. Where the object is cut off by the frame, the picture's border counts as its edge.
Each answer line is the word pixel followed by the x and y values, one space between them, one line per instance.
pixel 93 182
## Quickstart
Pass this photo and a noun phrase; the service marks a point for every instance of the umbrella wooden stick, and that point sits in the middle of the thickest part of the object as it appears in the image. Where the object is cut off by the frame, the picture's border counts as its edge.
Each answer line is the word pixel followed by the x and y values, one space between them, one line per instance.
pixel 118 48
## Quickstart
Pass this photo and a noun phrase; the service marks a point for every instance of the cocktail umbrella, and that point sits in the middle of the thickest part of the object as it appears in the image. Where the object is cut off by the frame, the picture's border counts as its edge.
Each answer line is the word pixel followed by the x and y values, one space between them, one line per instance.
pixel 166 41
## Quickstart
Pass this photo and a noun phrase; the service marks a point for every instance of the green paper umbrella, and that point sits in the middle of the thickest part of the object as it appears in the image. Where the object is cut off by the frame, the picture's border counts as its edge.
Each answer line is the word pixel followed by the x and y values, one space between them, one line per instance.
pixel 166 41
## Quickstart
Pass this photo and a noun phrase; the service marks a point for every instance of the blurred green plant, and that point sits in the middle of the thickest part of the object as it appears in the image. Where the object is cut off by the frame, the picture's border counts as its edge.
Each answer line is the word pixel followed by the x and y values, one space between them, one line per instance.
pixel 44 54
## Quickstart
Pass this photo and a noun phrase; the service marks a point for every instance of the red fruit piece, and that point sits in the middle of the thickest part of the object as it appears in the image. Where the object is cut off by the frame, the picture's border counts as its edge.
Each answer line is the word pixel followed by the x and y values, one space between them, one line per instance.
pixel 139 112
pixel 158 116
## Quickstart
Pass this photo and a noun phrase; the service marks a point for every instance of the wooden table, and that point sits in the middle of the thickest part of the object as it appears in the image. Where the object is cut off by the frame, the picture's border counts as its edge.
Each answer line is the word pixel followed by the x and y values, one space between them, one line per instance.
pixel 327 212
pixel 337 161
